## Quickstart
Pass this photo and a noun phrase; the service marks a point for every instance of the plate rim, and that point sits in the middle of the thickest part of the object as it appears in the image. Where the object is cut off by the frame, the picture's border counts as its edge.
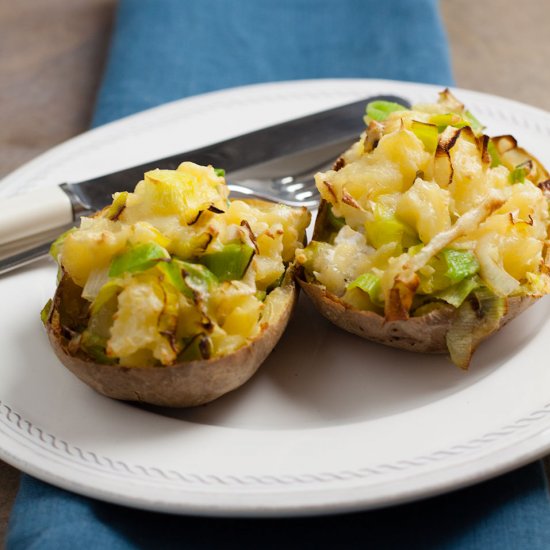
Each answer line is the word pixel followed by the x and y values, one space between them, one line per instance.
pixel 257 507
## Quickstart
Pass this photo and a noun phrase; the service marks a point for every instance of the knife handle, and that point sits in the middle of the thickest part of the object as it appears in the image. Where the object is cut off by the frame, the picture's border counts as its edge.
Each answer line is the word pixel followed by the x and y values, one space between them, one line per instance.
pixel 33 213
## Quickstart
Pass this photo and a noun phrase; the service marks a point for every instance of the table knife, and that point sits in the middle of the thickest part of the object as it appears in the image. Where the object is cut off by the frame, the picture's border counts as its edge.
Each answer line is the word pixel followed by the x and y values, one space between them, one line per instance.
pixel 23 218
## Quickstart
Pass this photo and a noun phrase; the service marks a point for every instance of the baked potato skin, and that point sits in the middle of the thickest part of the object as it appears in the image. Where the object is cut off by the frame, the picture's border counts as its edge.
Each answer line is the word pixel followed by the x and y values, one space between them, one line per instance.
pixel 429 183
pixel 422 334
pixel 425 334
pixel 183 384
pixel 174 294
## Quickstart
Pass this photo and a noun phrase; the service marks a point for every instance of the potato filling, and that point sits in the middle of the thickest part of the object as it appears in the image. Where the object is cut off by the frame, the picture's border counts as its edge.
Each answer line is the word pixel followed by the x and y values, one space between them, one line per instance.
pixel 426 210
pixel 175 271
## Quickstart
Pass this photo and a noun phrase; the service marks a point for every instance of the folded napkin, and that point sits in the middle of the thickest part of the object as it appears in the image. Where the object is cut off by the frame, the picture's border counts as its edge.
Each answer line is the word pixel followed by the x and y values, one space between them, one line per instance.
pixel 163 50
pixel 169 49
pixel 507 513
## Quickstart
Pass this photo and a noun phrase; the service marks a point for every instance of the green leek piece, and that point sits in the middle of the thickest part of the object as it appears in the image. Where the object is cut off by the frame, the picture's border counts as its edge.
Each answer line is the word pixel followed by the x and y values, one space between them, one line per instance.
pixel 45 312
pixel 426 308
pixel 369 283
pixel 313 250
pixel 447 119
pixel 196 348
pixel 55 248
pixel 380 110
pixel 449 268
pixel 476 318
pixel 105 294
pixel 95 347
pixel 436 280
pixel 460 264
pixel 415 249
pixel 193 246
pixel 138 258
pixel 276 283
pixel 493 153
pixel 172 271
pixel 427 133
pixel 473 122
pixel 118 205
pixel 386 228
pixel 517 175
pixel 197 274
pixel 335 221
pixel 168 319
pixel 220 172
pixel 457 293
pixel 261 295
pixel 94 338
pixel 230 263
pixel 188 278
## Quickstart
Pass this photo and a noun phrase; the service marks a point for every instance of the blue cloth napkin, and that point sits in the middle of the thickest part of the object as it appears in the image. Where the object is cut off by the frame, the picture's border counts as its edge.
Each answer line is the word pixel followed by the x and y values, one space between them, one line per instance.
pixel 507 513
pixel 167 49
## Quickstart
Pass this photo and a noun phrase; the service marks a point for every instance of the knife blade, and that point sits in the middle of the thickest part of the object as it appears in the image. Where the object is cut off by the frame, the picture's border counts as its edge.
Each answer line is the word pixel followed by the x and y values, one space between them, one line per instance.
pixel 24 217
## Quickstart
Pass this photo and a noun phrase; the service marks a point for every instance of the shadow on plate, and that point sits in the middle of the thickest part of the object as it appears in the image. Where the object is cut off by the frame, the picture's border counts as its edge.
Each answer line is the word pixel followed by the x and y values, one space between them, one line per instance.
pixel 319 376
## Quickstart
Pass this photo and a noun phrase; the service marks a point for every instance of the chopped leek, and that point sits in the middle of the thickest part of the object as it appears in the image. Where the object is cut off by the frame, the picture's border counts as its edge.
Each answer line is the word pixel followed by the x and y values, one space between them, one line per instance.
pixel 94 346
pixel 333 220
pixel 119 204
pixel 460 264
pixel 229 263
pixel 474 123
pixel 493 153
pixel 105 295
pixel 427 134
pixel 220 172
pixel 276 283
pixel 380 110
pixel 446 269
pixel 55 248
pixel 96 280
pixel 457 293
pixel 415 249
pixel 196 348
pixel 517 175
pixel 95 336
pixel 45 312
pixel 370 284
pixel 138 258
pixel 261 295
pixel 476 318
pixel 432 276
pixel 172 271
pixel 457 121
pixel 448 119
pixel 386 228
pixel 188 278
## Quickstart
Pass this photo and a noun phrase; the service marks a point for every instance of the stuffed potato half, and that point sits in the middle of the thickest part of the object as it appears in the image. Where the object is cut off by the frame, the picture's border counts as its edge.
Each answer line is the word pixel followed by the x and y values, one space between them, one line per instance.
pixel 173 295
pixel 431 235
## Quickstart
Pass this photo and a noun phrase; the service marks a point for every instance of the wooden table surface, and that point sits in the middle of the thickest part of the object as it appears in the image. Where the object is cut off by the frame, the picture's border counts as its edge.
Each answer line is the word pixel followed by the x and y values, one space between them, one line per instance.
pixel 52 53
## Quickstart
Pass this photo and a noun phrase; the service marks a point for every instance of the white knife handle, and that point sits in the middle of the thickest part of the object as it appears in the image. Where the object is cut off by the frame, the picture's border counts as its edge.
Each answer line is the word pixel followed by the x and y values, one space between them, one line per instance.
pixel 33 213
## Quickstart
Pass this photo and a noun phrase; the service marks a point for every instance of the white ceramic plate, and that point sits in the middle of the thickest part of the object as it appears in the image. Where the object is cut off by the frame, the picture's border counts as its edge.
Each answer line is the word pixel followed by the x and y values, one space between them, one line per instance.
pixel 330 423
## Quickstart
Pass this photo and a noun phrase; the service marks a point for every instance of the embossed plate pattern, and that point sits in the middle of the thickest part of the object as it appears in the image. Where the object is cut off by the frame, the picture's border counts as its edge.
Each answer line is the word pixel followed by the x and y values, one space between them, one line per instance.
pixel 330 423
